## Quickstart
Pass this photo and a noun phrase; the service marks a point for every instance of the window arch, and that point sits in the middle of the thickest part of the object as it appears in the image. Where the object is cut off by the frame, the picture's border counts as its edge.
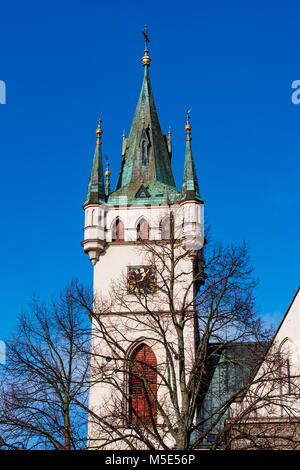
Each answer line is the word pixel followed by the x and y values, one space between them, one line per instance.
pixel 143 385
pixel 165 228
pixel 142 229
pixel 117 231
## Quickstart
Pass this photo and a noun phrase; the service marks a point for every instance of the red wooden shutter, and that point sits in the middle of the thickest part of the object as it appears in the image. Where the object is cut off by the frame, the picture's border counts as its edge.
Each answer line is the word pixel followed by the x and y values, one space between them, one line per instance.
pixel 142 404
pixel 118 231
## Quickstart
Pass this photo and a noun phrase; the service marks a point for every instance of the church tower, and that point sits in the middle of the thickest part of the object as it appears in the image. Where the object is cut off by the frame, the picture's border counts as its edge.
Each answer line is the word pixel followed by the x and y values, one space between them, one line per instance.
pixel 127 235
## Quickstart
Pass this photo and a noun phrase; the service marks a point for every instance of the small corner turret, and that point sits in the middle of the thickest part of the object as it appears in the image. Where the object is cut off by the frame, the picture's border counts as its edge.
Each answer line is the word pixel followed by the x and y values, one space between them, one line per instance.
pixel 190 186
pixel 94 207
pixel 96 192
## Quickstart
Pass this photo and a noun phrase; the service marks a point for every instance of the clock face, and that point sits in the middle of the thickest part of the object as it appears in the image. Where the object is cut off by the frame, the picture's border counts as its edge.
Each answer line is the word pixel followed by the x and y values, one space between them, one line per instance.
pixel 141 279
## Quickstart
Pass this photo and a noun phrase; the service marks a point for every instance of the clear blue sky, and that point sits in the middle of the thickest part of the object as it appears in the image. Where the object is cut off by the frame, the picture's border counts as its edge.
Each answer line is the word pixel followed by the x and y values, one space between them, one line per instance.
pixel 233 62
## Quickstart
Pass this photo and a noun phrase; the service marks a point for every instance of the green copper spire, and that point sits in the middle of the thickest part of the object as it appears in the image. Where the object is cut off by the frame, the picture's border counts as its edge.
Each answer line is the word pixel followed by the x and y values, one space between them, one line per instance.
pixel 146 158
pixel 190 186
pixel 96 191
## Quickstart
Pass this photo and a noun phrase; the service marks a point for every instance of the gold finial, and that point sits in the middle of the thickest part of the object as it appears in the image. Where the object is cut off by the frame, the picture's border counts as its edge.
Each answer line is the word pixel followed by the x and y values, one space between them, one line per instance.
pixel 107 176
pixel 124 141
pixel 99 131
pixel 169 142
pixel 188 127
pixel 146 59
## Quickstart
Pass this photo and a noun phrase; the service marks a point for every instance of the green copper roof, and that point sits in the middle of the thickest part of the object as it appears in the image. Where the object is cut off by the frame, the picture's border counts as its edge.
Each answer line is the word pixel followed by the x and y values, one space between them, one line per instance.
pixel 151 192
pixel 190 186
pixel 96 192
pixel 146 175
pixel 146 159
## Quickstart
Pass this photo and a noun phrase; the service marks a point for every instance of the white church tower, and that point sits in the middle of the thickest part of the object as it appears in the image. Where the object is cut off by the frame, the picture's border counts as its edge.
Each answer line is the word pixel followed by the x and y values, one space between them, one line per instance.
pixel 135 367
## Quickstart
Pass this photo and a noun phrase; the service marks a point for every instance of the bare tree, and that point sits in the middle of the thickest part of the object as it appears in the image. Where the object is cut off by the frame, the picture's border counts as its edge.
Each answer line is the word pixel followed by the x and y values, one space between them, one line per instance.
pixel 45 376
pixel 204 333
pixel 267 414
pixel 174 359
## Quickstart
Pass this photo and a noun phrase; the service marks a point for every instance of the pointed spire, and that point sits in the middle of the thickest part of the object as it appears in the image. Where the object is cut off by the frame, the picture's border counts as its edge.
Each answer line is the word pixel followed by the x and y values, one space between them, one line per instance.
pixel 95 192
pixel 146 155
pixel 190 186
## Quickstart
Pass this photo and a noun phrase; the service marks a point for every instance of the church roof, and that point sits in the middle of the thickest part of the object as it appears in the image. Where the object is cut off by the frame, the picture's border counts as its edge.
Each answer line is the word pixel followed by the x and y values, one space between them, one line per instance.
pixel 146 157
pixel 145 175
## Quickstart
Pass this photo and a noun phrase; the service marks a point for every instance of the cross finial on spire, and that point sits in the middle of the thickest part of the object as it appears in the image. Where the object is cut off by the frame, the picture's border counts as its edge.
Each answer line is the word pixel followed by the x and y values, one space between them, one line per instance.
pixel 99 131
pixel 146 59
pixel 96 192
pixel 188 126
pixel 146 38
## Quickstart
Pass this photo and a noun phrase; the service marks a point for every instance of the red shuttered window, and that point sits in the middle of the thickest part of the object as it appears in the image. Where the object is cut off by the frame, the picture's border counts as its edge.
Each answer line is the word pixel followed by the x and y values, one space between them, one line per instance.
pixel 118 231
pixel 143 230
pixel 142 374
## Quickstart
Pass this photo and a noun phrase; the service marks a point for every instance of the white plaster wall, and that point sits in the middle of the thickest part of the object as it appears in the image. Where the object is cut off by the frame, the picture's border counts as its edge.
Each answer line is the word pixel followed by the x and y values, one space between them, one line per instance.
pixel 112 267
pixel 99 219
pixel 287 342
pixel 128 331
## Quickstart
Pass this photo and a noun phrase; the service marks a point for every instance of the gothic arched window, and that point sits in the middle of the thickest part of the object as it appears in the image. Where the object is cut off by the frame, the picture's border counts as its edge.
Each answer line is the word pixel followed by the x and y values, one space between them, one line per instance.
pixel 286 368
pixel 143 385
pixel 145 147
pixel 165 229
pixel 142 230
pixel 118 231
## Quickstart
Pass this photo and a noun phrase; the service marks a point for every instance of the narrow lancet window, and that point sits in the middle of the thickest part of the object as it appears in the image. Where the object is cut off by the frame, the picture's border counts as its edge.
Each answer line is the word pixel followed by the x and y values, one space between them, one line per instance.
pixel 118 231
pixel 143 386
pixel 165 229
pixel 143 230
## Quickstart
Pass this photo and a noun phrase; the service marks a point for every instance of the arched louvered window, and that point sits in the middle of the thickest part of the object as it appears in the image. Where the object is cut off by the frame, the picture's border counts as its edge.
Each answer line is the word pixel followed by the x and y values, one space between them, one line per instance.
pixel 143 385
pixel 142 230
pixel 118 231
pixel 165 229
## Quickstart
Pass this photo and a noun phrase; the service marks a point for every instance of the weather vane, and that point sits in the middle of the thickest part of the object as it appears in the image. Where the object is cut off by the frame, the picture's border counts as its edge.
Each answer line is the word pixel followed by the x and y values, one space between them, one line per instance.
pixel 146 38
pixel 146 59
